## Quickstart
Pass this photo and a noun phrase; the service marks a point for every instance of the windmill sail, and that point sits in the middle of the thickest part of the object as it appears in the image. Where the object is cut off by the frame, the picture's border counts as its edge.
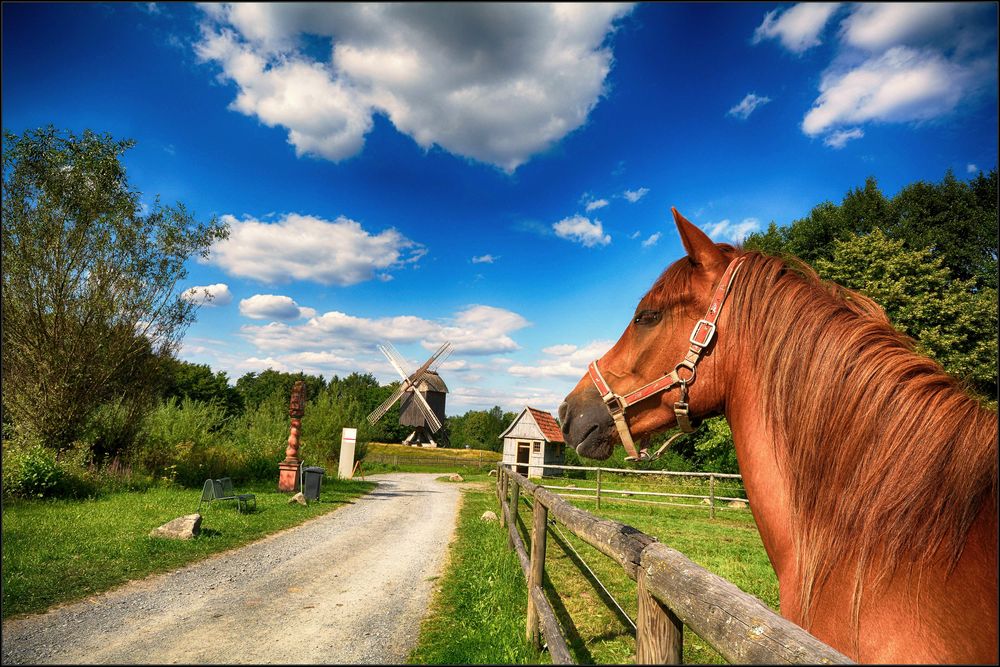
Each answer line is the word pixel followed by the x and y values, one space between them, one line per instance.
pixel 410 383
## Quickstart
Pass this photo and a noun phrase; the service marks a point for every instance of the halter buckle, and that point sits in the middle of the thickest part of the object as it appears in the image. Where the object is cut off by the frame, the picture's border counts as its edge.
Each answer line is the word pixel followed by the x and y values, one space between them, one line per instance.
pixel 702 326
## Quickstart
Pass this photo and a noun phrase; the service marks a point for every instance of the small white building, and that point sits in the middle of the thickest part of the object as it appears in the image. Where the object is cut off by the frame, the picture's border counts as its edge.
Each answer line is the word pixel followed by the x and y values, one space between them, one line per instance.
pixel 533 438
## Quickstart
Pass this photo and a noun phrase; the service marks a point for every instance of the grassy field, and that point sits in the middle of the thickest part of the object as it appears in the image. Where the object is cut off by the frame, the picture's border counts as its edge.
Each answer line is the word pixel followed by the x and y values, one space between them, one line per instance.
pixel 59 551
pixel 597 632
pixel 383 457
pixel 477 616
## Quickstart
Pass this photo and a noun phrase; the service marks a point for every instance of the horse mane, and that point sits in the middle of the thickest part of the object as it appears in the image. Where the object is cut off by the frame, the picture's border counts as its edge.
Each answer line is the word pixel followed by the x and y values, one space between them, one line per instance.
pixel 889 459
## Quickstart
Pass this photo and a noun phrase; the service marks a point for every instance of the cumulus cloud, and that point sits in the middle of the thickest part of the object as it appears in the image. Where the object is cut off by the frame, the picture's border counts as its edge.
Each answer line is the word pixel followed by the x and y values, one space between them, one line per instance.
pixel 477 329
pixel 208 295
pixel 564 361
pixel 635 195
pixel 971 168
pixel 596 204
pixel 748 105
pixel 303 247
pixel 839 138
pixel 439 73
pixel 582 230
pixel 798 28
pixel 273 307
pixel 725 230
pixel 484 259
pixel 903 84
pixel 895 62
pixel 651 241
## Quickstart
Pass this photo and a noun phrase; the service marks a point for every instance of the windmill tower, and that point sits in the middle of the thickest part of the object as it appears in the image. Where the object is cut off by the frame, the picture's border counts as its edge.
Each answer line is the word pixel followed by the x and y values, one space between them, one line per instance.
pixel 422 393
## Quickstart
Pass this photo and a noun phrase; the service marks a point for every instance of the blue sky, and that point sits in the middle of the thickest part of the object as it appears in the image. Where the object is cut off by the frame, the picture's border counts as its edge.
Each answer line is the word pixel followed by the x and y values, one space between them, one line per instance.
pixel 499 176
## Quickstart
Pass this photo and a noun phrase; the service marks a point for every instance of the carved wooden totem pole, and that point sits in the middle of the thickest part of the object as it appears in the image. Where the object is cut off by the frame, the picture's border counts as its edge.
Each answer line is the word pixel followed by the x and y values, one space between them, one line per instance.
pixel 288 470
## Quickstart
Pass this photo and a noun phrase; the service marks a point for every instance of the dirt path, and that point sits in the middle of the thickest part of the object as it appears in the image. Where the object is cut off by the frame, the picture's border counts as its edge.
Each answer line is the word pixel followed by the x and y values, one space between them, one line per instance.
pixel 348 587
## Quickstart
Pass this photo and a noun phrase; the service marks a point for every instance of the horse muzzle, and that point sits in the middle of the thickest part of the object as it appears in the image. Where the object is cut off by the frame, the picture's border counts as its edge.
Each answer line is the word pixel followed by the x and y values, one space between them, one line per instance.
pixel 587 424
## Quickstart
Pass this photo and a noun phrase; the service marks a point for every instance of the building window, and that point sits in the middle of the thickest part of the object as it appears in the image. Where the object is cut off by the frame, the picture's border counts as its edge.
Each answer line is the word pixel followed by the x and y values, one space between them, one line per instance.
pixel 537 448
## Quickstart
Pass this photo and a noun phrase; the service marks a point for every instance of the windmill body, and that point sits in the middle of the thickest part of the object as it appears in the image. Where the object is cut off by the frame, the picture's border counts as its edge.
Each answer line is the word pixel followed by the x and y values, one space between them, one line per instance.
pixel 421 395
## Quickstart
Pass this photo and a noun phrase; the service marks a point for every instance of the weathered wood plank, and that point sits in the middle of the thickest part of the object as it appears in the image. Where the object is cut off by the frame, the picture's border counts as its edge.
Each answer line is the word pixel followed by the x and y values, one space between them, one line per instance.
pixel 739 626
pixel 659 634
pixel 558 648
pixel 539 533
pixel 514 539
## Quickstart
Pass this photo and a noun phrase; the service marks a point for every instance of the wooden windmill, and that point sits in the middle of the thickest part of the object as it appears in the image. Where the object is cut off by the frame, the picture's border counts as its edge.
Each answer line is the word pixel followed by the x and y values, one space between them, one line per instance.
pixel 422 393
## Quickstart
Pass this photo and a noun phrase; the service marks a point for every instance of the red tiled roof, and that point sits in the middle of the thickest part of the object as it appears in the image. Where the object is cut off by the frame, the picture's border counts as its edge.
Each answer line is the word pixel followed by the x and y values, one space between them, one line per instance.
pixel 547 423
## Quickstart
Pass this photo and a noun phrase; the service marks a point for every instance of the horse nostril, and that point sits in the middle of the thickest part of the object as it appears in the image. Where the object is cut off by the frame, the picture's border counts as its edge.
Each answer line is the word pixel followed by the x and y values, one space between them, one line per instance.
pixel 563 412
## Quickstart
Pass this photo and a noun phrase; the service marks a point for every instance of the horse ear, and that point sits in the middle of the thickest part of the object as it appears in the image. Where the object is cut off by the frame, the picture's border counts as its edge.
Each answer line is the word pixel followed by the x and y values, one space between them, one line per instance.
pixel 701 249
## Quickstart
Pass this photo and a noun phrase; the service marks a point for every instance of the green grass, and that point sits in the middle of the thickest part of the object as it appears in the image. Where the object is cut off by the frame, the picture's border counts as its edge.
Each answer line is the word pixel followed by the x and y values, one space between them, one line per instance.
pixel 596 632
pixel 60 551
pixel 477 615
pixel 383 457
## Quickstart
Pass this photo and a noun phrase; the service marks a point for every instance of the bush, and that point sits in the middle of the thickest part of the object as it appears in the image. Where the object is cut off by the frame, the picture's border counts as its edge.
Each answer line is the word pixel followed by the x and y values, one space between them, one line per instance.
pixel 31 470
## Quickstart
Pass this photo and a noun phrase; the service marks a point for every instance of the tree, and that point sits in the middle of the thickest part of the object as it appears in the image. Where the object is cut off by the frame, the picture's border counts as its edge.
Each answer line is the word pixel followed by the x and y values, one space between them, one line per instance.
pixel 183 379
pixel 952 321
pixel 256 388
pixel 89 280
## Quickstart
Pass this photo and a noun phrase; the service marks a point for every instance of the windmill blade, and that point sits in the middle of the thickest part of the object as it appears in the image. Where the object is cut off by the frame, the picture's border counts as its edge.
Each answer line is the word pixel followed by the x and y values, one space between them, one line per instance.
pixel 443 358
pixel 417 374
pixel 394 357
pixel 378 412
pixel 429 415
pixel 399 369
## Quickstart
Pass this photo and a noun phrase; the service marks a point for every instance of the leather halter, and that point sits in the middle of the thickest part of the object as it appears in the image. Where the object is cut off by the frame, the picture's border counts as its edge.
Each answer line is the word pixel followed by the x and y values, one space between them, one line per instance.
pixel 701 337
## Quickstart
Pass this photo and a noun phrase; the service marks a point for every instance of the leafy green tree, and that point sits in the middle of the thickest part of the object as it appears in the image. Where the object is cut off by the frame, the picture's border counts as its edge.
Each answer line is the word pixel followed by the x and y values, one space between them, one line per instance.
pixel 951 321
pixel 89 300
pixel 183 379
pixel 255 388
pixel 480 429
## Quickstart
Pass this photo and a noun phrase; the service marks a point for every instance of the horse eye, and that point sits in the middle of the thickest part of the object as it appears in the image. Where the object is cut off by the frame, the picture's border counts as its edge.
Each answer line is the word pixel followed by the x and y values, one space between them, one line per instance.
pixel 648 317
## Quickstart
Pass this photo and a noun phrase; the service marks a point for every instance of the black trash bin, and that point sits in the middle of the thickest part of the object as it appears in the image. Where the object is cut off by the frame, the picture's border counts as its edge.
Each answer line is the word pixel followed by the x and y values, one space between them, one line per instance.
pixel 312 480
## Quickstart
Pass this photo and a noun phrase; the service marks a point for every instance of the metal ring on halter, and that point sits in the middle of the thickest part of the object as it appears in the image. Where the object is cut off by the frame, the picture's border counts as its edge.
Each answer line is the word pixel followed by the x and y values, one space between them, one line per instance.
pixel 691 367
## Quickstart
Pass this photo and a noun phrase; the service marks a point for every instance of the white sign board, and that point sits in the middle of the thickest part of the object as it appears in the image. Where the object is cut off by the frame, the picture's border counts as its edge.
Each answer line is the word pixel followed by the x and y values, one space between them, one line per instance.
pixel 347 440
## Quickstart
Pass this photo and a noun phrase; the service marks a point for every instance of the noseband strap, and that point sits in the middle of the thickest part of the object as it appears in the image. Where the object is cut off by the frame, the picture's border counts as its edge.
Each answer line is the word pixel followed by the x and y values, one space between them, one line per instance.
pixel 682 376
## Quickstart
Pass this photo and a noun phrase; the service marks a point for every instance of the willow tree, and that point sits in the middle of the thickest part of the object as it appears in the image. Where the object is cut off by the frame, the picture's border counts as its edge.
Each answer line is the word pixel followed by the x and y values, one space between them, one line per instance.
pixel 90 276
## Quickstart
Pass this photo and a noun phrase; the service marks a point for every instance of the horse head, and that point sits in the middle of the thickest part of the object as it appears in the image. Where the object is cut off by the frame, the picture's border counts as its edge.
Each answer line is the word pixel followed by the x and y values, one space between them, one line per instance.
pixel 666 363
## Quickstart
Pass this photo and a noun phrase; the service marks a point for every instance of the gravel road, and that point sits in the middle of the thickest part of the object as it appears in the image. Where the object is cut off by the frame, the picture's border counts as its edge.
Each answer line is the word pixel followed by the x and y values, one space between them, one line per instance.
pixel 348 587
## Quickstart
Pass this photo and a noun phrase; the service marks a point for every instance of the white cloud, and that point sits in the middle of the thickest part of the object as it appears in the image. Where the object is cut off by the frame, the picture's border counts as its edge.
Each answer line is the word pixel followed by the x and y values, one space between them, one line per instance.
pixel 303 247
pixel 582 230
pixel 477 329
pixel 634 235
pixel 651 241
pixel 273 307
pixel 494 82
pixel 563 361
pixel 901 85
pixel 748 105
pixel 798 28
pixel 635 195
pixel 208 295
pixel 839 138
pixel 596 204
pixel 879 26
pixel 971 168
pixel 485 259
pixel 725 230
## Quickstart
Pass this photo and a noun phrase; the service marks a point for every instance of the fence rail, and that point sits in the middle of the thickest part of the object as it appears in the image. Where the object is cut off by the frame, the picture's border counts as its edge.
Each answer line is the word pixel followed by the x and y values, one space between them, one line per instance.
pixel 396 460
pixel 712 501
pixel 672 590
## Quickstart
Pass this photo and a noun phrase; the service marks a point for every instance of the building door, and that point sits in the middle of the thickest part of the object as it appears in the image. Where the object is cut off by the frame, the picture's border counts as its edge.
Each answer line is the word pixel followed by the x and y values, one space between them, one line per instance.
pixel 523 451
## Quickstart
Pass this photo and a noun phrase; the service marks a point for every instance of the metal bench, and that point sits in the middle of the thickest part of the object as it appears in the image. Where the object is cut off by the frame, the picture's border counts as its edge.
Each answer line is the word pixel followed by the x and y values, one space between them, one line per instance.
pixel 222 489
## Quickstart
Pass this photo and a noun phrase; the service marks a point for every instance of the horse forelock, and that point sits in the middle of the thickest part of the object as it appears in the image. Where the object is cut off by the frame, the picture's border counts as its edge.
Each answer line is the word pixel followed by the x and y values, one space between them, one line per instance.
pixel 889 461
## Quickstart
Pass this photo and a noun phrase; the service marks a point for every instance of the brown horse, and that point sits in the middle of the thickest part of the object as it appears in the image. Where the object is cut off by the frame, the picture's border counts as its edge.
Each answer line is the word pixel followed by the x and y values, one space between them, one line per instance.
pixel 871 475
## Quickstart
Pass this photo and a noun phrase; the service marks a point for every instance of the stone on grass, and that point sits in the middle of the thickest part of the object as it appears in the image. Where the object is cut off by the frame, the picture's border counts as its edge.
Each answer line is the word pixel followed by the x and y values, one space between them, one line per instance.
pixel 298 498
pixel 456 478
pixel 493 473
pixel 182 528
pixel 706 501
pixel 489 516
pixel 737 503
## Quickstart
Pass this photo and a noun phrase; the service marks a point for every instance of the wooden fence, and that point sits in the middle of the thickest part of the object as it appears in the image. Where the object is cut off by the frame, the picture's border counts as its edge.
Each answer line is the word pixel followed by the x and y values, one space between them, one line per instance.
pixel 712 500
pixel 673 591
pixel 396 460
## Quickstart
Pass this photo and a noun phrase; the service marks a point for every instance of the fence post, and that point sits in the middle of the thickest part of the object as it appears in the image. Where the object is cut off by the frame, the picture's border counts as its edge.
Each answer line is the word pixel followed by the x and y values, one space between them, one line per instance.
pixel 515 494
pixel 480 460
pixel 711 495
pixel 598 488
pixel 395 460
pixel 659 634
pixel 537 571
pixel 505 480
